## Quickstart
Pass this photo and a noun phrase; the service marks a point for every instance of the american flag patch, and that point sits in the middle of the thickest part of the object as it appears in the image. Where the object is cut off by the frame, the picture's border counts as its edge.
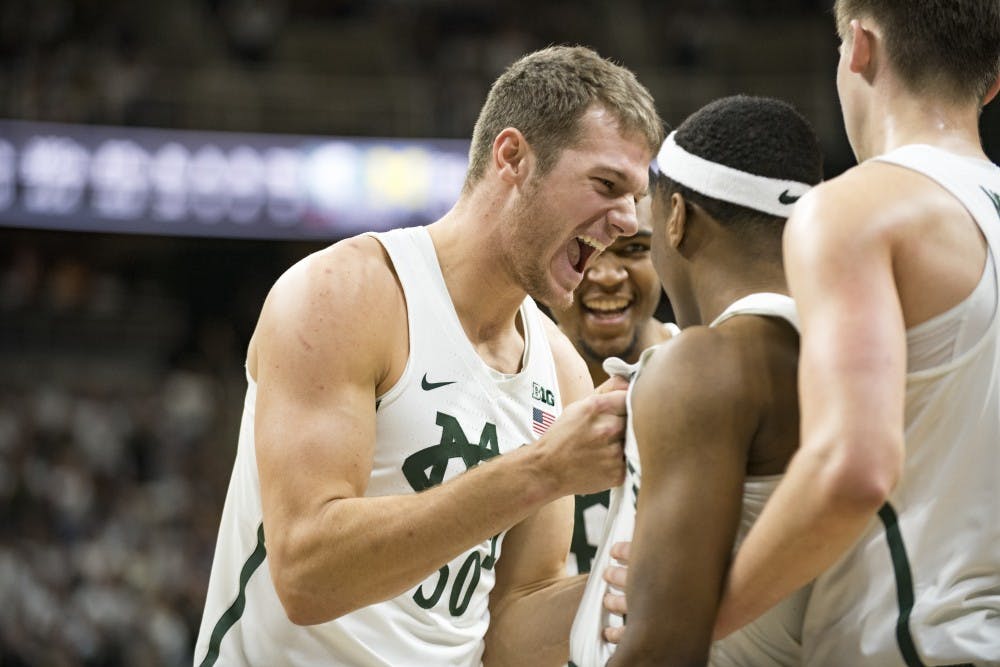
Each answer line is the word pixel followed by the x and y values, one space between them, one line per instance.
pixel 541 421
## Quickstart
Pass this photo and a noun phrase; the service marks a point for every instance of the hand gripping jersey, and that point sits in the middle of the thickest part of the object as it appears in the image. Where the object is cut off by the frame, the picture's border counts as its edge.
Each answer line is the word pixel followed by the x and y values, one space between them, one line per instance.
pixel 922 585
pixel 448 412
pixel 771 640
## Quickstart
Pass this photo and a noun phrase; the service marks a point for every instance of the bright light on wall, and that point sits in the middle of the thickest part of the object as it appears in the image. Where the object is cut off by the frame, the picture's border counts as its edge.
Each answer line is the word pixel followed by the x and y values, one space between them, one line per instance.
pixel 99 178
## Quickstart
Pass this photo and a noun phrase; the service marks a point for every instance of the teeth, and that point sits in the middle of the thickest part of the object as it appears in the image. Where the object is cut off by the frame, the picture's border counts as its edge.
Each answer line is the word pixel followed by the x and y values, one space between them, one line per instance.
pixel 607 305
pixel 593 243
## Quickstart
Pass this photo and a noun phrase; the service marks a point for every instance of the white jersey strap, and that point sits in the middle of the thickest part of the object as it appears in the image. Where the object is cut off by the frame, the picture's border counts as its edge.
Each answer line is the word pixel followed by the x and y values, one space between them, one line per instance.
pixel 769 304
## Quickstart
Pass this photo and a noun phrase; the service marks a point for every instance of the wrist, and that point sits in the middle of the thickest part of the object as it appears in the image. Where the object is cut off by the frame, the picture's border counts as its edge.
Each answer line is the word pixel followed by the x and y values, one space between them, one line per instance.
pixel 540 479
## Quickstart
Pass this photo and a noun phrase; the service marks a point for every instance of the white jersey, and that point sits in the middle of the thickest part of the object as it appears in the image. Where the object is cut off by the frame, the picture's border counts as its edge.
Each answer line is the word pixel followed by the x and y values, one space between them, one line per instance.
pixel 922 585
pixel 448 412
pixel 774 638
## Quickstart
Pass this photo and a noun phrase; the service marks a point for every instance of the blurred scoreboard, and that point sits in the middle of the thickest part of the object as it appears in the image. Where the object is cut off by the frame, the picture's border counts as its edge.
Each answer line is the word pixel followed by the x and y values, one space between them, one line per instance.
pixel 170 182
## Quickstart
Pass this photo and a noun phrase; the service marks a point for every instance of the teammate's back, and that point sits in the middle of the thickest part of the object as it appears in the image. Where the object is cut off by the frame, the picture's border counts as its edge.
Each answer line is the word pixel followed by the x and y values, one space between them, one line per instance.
pixel 892 501
pixel 925 579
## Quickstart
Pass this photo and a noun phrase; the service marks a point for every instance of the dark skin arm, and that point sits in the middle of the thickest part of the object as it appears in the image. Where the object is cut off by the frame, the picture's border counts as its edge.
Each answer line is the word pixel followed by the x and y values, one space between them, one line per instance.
pixel 694 426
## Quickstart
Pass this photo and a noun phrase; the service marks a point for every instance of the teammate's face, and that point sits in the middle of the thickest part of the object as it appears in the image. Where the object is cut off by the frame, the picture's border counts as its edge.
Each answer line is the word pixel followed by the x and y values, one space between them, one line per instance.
pixel 617 296
pixel 585 202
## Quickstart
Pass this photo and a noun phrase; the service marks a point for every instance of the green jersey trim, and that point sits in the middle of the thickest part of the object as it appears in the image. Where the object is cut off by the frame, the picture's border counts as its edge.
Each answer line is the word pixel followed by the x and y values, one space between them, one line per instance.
pixel 904 588
pixel 994 198
pixel 235 611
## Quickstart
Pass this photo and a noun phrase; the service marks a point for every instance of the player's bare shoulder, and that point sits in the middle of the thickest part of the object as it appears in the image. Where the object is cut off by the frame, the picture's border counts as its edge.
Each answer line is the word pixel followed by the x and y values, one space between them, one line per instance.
pixel 875 201
pixel 343 299
pixel 697 380
pixel 705 367
pixel 696 355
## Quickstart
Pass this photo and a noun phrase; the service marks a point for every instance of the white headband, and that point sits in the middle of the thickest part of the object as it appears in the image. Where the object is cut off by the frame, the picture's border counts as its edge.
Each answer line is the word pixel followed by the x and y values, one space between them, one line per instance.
pixel 760 193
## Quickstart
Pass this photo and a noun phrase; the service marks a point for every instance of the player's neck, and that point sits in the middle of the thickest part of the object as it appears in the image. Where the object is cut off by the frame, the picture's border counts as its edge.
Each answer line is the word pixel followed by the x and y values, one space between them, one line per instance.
pixel 596 369
pixel 485 297
pixel 652 333
pixel 717 290
pixel 905 119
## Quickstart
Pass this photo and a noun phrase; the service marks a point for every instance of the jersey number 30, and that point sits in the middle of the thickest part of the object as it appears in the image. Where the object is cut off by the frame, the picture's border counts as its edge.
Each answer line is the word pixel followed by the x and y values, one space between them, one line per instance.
pixel 464 584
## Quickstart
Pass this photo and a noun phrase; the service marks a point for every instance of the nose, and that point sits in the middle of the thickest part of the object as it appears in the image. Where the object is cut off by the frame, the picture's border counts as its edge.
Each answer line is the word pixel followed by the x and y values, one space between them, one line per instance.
pixel 607 270
pixel 623 217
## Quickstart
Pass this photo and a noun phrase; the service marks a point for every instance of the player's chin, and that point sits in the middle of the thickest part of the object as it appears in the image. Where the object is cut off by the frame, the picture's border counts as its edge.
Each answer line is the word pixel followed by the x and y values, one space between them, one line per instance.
pixel 615 347
pixel 557 300
pixel 558 292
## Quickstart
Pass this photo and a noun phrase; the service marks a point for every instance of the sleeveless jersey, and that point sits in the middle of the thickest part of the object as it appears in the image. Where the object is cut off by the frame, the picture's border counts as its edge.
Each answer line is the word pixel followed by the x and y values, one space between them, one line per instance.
pixel 587 645
pixel 448 412
pixel 922 585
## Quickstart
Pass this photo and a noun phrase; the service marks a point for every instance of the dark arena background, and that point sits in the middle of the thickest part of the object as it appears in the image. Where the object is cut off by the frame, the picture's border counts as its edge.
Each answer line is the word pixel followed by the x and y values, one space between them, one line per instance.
pixel 161 163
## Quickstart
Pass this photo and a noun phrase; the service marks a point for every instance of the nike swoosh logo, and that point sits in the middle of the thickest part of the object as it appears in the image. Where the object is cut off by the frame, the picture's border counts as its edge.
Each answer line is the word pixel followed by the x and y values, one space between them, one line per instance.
pixel 427 386
pixel 786 198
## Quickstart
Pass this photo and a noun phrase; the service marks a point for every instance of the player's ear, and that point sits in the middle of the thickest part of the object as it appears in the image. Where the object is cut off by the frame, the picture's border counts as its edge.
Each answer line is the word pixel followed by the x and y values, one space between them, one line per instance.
pixel 511 156
pixel 676 220
pixel 992 92
pixel 861 47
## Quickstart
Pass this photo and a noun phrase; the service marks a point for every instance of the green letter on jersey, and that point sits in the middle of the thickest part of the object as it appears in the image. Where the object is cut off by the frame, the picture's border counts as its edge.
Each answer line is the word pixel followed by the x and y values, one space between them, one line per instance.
pixel 427 467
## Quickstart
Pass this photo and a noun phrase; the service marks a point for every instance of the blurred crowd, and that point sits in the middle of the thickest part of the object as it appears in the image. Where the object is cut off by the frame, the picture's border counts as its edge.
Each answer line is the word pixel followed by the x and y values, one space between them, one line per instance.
pixel 109 526
pixel 382 67
pixel 120 398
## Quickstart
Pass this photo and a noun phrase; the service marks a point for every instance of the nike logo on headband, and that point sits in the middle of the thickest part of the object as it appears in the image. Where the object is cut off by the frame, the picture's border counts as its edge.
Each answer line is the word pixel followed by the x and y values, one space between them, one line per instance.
pixel 786 198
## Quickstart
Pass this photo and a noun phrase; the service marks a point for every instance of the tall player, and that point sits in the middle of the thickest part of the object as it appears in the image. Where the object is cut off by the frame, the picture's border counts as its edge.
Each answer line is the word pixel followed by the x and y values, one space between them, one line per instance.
pixel 893 501
pixel 713 416
pixel 611 316
pixel 360 528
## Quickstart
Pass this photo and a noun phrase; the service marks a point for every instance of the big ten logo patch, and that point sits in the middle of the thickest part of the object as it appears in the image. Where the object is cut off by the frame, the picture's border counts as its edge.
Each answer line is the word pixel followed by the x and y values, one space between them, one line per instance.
pixel 540 393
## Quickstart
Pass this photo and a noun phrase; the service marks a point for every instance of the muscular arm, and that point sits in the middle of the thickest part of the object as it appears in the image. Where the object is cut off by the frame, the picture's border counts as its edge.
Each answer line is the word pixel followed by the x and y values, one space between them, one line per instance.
pixel 851 388
pixel 693 427
pixel 324 344
pixel 533 601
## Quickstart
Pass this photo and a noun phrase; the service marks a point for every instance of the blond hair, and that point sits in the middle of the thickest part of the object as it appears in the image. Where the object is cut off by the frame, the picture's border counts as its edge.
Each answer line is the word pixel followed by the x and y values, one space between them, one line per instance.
pixel 544 95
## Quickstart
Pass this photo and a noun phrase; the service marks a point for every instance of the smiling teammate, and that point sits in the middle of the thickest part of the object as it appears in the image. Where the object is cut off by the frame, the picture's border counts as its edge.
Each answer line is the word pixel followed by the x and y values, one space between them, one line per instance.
pixel 382 509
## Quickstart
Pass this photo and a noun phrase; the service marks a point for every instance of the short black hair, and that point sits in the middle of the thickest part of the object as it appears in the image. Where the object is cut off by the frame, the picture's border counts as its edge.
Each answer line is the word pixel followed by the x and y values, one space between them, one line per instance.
pixel 949 46
pixel 758 135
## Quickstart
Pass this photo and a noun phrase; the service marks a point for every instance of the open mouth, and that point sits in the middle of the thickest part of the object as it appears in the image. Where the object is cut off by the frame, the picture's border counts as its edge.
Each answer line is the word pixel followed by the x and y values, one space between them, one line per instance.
pixel 585 247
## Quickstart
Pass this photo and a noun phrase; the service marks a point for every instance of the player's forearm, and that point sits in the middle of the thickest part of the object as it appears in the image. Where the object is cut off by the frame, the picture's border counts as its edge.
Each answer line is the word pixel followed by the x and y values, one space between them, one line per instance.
pixel 652 647
pixel 816 515
pixel 358 551
pixel 532 627
pixel 671 607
